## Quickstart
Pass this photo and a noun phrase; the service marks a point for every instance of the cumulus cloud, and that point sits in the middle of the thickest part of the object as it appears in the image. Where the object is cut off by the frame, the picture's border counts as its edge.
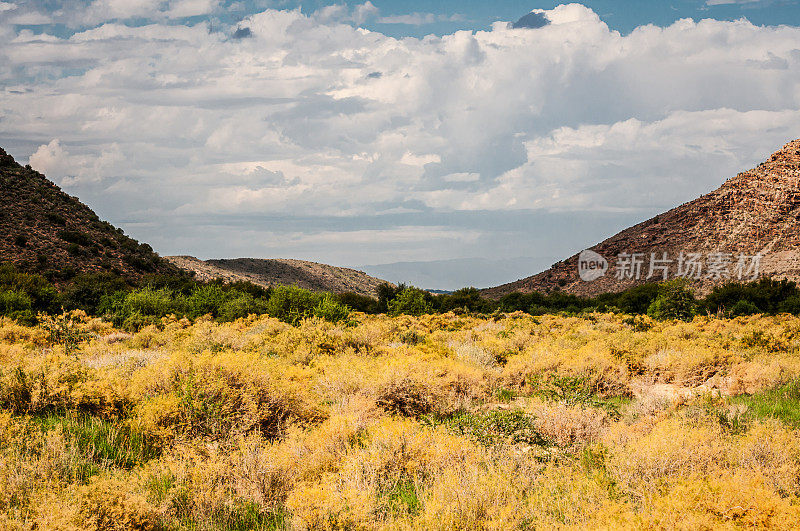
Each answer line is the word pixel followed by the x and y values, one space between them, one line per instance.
pixel 189 136
pixel 419 19
pixel 53 159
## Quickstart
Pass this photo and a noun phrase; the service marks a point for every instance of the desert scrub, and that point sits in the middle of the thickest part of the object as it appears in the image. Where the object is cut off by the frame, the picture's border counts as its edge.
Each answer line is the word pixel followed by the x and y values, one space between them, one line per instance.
pixel 492 427
pixel 218 396
pixel 436 421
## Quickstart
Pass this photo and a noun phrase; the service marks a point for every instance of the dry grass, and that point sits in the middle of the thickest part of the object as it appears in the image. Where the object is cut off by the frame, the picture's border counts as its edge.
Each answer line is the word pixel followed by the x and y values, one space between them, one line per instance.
pixel 439 422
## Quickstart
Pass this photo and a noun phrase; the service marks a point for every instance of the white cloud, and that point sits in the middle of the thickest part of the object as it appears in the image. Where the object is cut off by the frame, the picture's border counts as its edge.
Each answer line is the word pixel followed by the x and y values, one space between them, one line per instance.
pixel 7 6
pixel 100 10
pixel 191 8
pixel 314 117
pixel 53 160
pixel 419 19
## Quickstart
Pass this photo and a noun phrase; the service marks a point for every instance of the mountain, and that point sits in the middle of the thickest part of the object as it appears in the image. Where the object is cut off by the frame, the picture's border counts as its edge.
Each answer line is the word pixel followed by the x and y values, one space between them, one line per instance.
pixel 273 272
pixel 44 230
pixel 755 212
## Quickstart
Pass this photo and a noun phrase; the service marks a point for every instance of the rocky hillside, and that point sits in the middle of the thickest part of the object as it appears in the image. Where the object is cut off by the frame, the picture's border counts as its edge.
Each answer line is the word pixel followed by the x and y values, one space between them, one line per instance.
pixel 755 212
pixel 273 272
pixel 46 231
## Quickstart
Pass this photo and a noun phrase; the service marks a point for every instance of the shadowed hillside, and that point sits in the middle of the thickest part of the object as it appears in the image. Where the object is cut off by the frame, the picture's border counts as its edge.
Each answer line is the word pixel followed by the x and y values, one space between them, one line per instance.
pixel 44 230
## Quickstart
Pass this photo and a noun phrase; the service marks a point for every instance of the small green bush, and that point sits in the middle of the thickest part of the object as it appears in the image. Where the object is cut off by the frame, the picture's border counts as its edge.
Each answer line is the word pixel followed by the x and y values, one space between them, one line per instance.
pixel 148 301
pixel 16 305
pixel 205 300
pixel 241 306
pixel 331 309
pixel 743 307
pixel 410 301
pixel 292 304
pixel 675 301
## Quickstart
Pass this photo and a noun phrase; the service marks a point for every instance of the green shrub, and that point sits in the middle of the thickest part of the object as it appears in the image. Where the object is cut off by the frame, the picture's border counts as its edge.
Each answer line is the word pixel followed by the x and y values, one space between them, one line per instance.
pixel 86 292
pixel 743 307
pixel 410 301
pixel 242 305
pixel 148 301
pixel 16 305
pixel 331 309
pixel 360 303
pixel 468 299
pixel 75 237
pixel 387 293
pixel 675 301
pixel 205 300
pixel 42 294
pixel 292 304
pixel 769 296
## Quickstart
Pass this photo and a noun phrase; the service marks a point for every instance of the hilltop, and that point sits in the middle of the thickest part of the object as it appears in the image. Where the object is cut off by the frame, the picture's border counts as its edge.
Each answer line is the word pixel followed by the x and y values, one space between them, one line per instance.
pixel 273 272
pixel 46 231
pixel 757 211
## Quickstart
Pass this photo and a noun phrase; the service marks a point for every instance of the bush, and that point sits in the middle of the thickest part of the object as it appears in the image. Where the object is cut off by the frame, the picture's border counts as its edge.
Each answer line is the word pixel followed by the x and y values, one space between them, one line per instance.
pixel 387 293
pixel 468 299
pixel 411 301
pixel 148 301
pixel 637 299
pixel 675 301
pixel 16 305
pixel 42 294
pixel 75 237
pixel 331 310
pixel 769 296
pixel 56 219
pixel 86 291
pixel 205 300
pixel 242 305
pixel 743 307
pixel 291 304
pixel 359 303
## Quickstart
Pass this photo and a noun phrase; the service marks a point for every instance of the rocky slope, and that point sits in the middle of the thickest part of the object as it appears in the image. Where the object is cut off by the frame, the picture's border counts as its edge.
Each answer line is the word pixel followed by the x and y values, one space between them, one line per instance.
pixel 757 211
pixel 273 272
pixel 44 230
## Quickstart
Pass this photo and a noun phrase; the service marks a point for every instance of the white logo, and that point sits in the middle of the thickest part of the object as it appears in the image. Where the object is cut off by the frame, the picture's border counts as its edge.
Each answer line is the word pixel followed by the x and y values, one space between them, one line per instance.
pixel 591 265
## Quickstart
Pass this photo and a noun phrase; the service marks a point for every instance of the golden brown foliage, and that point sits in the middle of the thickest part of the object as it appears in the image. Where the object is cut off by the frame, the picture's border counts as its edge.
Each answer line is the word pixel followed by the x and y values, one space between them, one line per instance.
pixel 436 422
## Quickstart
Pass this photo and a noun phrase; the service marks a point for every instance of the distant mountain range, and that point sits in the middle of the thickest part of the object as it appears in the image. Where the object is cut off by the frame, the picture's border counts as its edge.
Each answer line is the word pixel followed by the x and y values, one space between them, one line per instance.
pixel 446 275
pixel 44 230
pixel 749 226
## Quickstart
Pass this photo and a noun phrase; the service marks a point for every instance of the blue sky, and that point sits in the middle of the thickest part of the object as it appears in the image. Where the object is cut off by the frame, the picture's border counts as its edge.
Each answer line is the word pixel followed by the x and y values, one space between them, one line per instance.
pixel 622 16
pixel 382 132
pixel 446 16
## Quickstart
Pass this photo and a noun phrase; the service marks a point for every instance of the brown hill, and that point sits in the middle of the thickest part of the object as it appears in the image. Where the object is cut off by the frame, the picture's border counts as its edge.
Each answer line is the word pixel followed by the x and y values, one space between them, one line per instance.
pixel 274 272
pixel 757 211
pixel 46 231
